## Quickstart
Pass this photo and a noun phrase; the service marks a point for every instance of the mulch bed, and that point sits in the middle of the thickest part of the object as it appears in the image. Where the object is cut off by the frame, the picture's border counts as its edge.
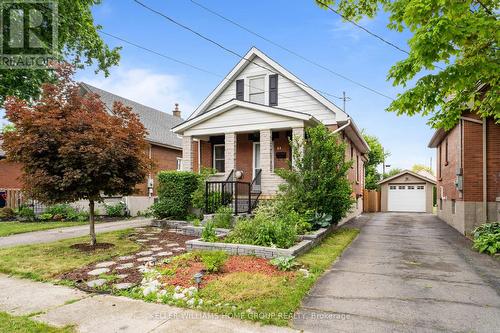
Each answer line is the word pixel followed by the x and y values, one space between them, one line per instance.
pixel 184 275
pixel 89 248
pixel 150 238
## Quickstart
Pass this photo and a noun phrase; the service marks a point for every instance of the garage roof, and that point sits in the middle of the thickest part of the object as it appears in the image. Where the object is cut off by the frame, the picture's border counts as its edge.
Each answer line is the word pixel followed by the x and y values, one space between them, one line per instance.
pixel 410 173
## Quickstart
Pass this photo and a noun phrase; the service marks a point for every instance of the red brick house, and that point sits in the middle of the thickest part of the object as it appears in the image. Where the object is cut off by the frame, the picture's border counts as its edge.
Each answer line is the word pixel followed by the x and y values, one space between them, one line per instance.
pixel 242 129
pixel 165 147
pixel 468 172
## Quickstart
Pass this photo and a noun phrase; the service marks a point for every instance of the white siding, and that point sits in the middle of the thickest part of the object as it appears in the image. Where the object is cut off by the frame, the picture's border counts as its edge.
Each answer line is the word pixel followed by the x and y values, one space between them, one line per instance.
pixel 242 120
pixel 290 95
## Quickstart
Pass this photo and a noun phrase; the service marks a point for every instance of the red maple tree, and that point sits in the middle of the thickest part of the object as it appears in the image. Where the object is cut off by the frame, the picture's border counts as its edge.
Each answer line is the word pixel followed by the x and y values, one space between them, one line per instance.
pixel 73 147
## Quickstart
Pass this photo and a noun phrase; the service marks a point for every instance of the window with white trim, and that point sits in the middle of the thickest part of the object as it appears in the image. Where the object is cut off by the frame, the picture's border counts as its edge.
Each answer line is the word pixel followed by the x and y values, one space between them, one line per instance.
pixel 257 89
pixel 219 162
pixel 420 187
pixel 401 187
pixel 392 187
pixel 411 187
pixel 179 164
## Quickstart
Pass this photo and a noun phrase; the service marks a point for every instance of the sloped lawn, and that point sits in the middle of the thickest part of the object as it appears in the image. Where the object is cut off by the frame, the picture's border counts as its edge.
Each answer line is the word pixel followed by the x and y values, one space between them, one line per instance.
pixel 12 228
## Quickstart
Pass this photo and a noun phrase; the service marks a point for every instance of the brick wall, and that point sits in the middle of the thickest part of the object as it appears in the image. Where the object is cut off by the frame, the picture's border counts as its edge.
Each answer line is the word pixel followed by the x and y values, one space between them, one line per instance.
pixel 473 161
pixel 493 165
pixel 10 175
pixel 282 144
pixel 447 168
pixel 244 156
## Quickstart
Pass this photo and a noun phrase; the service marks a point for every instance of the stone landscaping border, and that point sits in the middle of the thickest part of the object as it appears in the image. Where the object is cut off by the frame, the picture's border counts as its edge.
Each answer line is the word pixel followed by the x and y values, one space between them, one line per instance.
pixel 306 243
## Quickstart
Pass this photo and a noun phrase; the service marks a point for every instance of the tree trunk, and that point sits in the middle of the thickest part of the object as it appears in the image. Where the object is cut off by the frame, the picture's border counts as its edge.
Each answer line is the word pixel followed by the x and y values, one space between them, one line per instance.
pixel 93 240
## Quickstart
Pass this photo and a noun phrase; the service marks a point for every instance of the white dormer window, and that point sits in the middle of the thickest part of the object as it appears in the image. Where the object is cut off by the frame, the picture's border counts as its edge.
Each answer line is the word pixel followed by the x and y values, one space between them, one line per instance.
pixel 257 89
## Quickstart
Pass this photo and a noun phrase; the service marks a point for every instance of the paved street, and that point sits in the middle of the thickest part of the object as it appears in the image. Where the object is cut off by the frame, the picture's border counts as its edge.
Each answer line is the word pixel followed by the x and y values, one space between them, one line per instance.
pixel 53 235
pixel 406 273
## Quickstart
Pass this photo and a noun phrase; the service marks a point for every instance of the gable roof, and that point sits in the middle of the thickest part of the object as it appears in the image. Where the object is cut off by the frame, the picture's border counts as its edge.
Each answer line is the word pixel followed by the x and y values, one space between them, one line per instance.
pixel 247 59
pixel 158 124
pixel 410 173
pixel 249 105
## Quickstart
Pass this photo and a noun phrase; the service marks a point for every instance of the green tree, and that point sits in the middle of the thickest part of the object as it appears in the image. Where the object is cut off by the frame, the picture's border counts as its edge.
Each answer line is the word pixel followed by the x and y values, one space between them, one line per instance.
pixel 392 172
pixel 376 156
pixel 78 43
pixel 72 147
pixel 419 167
pixel 461 37
pixel 318 180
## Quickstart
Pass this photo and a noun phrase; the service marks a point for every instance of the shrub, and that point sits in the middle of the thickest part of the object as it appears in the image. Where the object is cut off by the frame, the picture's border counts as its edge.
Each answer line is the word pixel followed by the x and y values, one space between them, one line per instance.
pixel 198 196
pixel 26 214
pixel 284 263
pixel 487 238
pixel 213 260
pixel 45 217
pixel 7 213
pixel 196 222
pixel 264 231
pixel 77 216
pixel 318 181
pixel 208 233
pixel 223 217
pixel 116 210
pixel 62 210
pixel 175 192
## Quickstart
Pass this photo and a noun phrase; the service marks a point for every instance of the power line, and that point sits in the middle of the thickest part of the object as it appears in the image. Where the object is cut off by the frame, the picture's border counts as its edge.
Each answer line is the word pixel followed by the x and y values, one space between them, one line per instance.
pixel 250 61
pixel 362 28
pixel 224 78
pixel 289 50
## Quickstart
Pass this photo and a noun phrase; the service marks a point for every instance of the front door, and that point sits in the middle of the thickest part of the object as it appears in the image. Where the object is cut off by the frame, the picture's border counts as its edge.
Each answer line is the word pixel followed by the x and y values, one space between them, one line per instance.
pixel 256 162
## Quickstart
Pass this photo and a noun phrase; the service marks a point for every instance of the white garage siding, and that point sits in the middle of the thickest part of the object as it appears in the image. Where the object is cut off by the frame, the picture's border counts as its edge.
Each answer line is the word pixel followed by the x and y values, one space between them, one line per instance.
pixel 406 198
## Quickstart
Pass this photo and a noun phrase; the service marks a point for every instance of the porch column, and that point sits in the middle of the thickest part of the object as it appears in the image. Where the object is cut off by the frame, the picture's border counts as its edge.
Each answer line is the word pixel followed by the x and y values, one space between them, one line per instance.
pixel 297 134
pixel 187 153
pixel 230 152
pixel 266 140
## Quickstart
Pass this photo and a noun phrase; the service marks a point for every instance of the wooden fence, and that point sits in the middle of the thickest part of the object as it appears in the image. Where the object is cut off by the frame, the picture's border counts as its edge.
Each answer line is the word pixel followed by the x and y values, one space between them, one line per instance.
pixel 13 197
pixel 371 201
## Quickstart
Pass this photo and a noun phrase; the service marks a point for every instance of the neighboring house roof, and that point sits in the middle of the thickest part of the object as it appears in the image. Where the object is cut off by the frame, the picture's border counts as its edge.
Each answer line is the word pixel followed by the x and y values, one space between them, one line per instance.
pixel 237 103
pixel 247 59
pixel 427 174
pixel 437 138
pixel 158 124
pixel 410 173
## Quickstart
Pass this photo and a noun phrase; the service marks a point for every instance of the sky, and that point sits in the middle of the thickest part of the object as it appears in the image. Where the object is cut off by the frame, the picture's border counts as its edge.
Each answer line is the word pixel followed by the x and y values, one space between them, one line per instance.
pixel 301 26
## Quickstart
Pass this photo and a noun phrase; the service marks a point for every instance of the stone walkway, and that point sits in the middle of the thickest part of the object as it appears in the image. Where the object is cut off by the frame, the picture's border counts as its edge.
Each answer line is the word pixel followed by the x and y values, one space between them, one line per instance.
pixel 406 273
pixel 61 306
pixel 53 235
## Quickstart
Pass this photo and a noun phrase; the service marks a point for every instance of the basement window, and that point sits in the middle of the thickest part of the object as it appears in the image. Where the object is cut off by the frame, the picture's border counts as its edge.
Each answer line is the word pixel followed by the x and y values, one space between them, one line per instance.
pixel 453 206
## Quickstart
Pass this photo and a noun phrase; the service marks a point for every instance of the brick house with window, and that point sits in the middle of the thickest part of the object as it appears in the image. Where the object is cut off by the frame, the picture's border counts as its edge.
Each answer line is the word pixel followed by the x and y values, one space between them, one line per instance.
pixel 165 147
pixel 242 129
pixel 468 172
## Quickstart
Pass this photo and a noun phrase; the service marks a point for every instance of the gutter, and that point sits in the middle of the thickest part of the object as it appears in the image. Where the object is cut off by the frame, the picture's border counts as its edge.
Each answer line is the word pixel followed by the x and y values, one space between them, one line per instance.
pixel 343 126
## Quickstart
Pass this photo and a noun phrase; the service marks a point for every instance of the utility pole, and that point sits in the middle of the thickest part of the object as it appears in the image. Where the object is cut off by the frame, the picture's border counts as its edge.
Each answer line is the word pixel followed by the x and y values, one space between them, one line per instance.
pixel 344 99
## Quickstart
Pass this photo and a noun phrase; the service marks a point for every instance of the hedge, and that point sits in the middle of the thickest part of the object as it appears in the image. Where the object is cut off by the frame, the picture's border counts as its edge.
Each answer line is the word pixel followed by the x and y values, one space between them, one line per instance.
pixel 175 189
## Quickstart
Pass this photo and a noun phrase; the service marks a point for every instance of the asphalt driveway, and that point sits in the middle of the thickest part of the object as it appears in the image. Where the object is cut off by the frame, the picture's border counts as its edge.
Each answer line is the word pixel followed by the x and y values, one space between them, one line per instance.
pixel 406 273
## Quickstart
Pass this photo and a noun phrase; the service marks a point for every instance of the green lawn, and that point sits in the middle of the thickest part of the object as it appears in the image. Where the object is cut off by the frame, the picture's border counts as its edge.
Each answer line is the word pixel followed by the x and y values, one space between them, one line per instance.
pixel 45 261
pixel 23 324
pixel 12 228
pixel 273 299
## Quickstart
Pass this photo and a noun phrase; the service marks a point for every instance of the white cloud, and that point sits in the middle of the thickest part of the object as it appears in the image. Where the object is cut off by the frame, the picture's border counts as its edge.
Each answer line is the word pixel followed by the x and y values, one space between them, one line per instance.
pixel 343 29
pixel 157 90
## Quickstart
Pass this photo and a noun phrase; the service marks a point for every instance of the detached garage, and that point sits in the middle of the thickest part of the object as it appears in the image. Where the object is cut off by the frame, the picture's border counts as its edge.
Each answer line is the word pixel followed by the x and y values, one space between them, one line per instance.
pixel 407 192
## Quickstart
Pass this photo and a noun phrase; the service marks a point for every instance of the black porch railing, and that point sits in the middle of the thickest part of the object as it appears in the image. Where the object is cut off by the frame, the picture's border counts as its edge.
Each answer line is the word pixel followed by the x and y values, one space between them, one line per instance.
pixel 242 197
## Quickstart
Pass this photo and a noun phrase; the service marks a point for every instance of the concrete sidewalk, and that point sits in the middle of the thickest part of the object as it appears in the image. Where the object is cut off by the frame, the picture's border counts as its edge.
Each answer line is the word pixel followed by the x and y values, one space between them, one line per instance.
pixel 61 306
pixel 52 235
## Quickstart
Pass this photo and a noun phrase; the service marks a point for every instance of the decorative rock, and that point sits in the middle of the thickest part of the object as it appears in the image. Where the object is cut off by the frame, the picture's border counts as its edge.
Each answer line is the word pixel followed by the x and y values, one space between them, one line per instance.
pixel 126 258
pixel 121 286
pixel 122 276
pixel 190 302
pixel 153 238
pixel 148 234
pixel 105 264
pixel 142 240
pixel 145 259
pixel 125 266
pixel 178 249
pixel 156 248
pixel 145 253
pixel 178 296
pixel 98 271
pixel 163 254
pixel 172 245
pixel 96 283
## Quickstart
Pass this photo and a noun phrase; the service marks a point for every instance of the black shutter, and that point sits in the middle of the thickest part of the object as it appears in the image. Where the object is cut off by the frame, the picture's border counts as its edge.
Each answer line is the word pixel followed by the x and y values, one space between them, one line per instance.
pixel 240 90
pixel 273 90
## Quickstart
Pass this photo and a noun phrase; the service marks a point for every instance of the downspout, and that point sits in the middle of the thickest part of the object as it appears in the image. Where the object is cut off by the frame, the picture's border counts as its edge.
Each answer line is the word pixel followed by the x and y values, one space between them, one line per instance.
pixel 485 174
pixel 343 126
